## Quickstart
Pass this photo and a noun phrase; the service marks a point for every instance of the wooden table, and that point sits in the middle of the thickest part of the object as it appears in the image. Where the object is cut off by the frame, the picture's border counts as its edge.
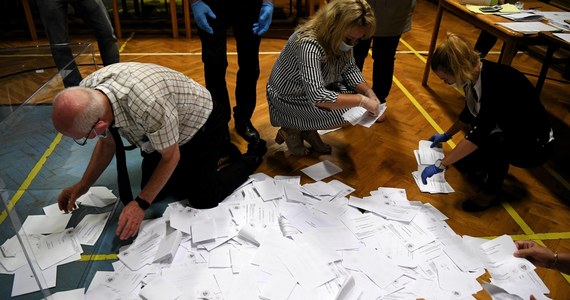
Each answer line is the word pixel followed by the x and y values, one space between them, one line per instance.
pixel 512 40
pixel 554 43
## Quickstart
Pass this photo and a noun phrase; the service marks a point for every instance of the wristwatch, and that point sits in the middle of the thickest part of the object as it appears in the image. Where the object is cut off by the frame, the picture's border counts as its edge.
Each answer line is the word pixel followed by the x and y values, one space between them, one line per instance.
pixel 439 165
pixel 142 203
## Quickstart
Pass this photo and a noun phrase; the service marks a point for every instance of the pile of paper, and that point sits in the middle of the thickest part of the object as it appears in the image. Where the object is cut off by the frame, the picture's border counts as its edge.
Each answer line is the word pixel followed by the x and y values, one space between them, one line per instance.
pixel 274 238
pixel 425 156
pixel 50 243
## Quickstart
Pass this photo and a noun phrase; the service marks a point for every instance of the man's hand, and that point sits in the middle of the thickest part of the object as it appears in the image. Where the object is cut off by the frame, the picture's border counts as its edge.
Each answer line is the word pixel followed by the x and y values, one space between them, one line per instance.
pixel 437 139
pixel 265 18
pixel 429 171
pixel 66 200
pixel 201 10
pixel 129 221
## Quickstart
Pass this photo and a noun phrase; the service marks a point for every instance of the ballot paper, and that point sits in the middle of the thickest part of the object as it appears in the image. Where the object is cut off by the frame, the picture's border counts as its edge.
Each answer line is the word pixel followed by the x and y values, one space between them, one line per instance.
pixel 500 262
pixel 322 170
pixel 90 228
pixel 41 224
pixel 97 196
pixel 311 242
pixel 428 155
pixel 360 116
pixel 435 184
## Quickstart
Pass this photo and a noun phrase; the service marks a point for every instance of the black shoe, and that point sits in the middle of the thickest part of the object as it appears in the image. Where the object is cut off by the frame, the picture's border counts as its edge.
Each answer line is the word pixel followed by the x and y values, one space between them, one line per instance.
pixel 229 153
pixel 480 202
pixel 246 130
pixel 257 148
pixel 252 162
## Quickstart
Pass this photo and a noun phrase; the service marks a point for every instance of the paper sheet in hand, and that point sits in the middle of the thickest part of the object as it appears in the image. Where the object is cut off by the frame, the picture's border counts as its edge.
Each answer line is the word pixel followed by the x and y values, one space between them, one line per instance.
pixel 360 116
pixel 321 170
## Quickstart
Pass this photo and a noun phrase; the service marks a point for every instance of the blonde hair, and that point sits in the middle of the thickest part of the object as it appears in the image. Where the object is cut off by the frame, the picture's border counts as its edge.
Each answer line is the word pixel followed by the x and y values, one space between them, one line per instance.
pixel 456 57
pixel 331 23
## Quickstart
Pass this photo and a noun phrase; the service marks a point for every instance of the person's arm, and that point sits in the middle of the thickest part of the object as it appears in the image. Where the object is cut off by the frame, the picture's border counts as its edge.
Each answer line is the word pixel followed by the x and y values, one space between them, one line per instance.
pixel 371 104
pixel 464 148
pixel 132 215
pixel 100 159
pixel 542 256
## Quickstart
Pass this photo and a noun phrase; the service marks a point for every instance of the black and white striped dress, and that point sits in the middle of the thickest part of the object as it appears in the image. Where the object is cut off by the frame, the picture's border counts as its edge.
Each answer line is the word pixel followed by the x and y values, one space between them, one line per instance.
pixel 301 77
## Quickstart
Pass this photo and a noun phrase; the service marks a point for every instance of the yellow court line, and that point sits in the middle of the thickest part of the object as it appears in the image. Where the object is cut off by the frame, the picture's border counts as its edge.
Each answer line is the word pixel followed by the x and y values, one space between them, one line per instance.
pixel 31 176
pixel 536 236
pixel 420 108
pixel 90 257
pixel 416 53
pixel 125 43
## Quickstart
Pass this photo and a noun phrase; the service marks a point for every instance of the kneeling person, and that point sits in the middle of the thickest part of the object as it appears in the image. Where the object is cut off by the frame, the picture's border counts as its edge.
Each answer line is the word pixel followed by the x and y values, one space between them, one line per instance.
pixel 171 118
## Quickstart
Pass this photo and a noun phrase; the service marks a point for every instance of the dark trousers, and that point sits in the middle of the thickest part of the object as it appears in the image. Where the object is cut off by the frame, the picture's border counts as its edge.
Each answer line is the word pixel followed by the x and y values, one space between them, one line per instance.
pixel 240 16
pixel 496 154
pixel 485 42
pixel 384 54
pixel 197 177
pixel 54 18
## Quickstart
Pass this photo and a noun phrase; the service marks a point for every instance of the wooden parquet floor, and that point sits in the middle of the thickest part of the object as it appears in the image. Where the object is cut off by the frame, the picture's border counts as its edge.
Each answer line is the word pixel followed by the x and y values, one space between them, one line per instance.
pixel 537 200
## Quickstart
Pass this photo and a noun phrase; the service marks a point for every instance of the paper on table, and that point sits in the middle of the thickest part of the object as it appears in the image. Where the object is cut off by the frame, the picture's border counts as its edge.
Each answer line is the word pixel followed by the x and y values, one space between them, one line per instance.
pixel 528 27
pixel 322 170
pixel 563 36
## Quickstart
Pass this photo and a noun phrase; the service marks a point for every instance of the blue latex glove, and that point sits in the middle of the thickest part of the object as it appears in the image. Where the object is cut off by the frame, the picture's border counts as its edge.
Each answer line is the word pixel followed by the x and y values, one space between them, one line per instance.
pixel 201 10
pixel 429 172
pixel 437 139
pixel 265 18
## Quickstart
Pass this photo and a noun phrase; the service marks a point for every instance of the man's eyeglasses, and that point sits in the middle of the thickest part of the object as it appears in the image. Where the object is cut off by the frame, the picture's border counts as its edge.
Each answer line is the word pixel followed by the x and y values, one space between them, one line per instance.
pixel 82 141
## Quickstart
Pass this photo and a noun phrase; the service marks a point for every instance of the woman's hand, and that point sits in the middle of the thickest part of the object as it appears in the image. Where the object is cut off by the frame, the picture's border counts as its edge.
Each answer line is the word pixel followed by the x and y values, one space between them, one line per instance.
pixel 371 105
pixel 538 255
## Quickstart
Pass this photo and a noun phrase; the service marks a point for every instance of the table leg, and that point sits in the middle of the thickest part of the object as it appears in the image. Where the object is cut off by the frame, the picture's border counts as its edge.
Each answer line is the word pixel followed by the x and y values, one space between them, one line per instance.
pixel 508 52
pixel 187 24
pixel 174 19
pixel 545 65
pixel 30 19
pixel 116 19
pixel 432 43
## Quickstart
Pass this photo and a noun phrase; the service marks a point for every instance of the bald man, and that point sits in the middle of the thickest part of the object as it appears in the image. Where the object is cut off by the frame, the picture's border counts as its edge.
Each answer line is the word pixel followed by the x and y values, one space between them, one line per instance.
pixel 174 122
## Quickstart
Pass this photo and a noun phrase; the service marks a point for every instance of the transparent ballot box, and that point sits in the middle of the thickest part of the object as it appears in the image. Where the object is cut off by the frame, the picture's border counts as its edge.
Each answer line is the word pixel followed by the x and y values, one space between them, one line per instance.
pixel 37 258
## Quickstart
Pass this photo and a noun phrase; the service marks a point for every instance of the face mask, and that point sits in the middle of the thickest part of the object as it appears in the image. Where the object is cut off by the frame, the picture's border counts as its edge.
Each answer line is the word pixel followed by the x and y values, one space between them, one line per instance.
pixel 344 47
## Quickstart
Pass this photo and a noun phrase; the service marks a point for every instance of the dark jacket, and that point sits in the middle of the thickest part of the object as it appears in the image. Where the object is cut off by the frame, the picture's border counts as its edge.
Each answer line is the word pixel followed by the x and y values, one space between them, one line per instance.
pixel 511 102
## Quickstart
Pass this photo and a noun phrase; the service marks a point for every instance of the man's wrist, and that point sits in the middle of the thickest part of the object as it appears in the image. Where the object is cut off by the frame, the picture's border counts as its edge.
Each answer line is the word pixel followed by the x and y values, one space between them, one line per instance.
pixel 142 203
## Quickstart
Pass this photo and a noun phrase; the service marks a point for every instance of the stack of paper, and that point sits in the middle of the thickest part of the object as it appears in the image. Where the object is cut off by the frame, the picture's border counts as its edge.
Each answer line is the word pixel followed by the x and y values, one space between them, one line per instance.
pixel 528 27
pixel 524 17
pixel 425 156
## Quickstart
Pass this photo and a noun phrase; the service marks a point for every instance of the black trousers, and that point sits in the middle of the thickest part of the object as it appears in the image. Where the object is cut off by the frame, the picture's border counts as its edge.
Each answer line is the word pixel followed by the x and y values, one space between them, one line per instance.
pixel 197 177
pixel 497 154
pixel 240 16
pixel 384 54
